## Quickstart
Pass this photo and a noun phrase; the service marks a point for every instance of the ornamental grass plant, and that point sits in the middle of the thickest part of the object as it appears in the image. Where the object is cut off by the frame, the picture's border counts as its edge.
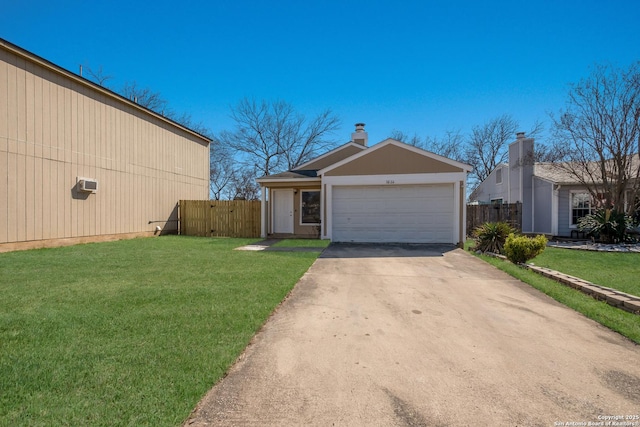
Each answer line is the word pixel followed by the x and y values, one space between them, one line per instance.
pixel 491 236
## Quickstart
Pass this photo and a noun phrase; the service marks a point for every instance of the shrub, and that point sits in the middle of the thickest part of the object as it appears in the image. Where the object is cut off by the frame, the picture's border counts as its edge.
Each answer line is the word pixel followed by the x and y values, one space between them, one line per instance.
pixel 491 236
pixel 607 225
pixel 520 249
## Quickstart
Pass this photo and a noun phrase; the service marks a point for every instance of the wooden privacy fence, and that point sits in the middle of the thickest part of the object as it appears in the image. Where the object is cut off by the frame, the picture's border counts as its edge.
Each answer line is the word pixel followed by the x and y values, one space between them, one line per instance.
pixel 220 218
pixel 508 212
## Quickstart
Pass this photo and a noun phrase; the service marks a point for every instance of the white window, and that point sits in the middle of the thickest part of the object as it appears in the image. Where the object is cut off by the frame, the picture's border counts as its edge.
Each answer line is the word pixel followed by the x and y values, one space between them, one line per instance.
pixel 499 176
pixel 581 205
pixel 310 207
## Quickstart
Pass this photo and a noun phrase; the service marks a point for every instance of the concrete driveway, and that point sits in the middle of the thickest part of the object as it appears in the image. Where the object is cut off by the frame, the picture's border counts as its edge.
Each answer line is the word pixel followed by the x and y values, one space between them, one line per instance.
pixel 424 336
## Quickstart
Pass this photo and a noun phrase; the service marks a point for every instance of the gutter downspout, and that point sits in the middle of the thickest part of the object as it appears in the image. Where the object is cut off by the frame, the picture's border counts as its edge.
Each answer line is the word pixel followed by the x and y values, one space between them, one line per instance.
pixel 533 206
pixel 555 200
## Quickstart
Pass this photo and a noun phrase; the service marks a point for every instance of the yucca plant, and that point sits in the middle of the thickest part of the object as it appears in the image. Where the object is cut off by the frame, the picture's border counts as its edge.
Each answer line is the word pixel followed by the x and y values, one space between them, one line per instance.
pixel 491 236
pixel 606 225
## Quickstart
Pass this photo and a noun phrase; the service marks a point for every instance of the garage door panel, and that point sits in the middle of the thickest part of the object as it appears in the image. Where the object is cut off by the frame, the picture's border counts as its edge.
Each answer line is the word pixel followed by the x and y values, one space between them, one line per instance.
pixel 418 213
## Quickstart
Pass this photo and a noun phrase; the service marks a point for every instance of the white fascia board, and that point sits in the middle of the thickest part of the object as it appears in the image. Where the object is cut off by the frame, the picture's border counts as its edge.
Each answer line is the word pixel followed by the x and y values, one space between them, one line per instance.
pixel 550 181
pixel 328 153
pixel 396 179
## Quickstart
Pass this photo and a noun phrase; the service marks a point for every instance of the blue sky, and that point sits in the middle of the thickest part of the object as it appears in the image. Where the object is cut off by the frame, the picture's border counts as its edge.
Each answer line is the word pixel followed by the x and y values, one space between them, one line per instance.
pixel 422 67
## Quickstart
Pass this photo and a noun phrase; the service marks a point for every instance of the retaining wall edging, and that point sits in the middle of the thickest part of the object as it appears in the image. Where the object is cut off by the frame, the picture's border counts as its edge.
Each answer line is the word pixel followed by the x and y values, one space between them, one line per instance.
pixel 614 297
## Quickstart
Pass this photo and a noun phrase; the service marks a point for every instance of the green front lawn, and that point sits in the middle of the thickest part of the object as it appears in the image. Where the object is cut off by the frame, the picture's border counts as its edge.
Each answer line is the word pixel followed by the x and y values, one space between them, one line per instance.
pixel 132 332
pixel 616 270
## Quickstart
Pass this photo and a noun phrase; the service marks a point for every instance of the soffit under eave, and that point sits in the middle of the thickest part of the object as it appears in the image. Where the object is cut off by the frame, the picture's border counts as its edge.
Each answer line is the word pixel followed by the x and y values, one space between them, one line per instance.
pixel 292 183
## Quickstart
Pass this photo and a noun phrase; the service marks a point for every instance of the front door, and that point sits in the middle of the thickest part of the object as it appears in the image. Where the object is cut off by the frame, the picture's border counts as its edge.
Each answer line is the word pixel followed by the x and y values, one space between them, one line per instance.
pixel 282 211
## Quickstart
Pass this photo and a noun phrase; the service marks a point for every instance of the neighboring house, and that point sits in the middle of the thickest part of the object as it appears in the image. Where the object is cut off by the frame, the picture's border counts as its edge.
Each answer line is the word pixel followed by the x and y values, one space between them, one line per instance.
pixel 552 200
pixel 79 162
pixel 390 192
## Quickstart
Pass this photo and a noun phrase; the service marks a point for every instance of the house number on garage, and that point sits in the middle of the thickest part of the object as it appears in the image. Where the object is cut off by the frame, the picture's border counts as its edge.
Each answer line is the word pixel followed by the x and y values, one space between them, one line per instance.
pixel 390 181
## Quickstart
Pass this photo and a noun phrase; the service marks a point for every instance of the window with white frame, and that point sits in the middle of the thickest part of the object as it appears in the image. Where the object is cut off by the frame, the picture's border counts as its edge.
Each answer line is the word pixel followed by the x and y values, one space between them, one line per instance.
pixel 499 176
pixel 581 205
pixel 310 207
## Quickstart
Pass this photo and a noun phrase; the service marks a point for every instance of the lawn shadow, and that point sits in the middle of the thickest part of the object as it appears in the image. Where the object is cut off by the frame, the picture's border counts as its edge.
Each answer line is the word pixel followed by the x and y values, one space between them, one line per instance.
pixel 385 250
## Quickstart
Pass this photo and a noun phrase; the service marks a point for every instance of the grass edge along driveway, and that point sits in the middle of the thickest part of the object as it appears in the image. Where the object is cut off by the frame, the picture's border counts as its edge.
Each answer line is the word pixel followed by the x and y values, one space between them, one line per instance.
pixel 618 270
pixel 626 324
pixel 132 332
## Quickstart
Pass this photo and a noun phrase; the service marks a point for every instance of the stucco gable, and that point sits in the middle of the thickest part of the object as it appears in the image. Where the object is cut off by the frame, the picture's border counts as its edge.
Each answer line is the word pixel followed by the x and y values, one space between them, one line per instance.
pixel 393 157
pixel 332 157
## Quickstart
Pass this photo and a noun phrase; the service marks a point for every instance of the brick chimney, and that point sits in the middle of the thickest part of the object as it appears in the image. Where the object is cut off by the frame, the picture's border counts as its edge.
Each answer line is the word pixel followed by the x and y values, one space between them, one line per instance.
pixel 360 136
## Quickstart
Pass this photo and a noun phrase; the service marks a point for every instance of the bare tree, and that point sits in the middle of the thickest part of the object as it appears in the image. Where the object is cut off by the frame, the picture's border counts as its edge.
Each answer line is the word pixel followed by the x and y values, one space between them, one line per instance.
pixel 488 144
pixel 399 135
pixel 311 138
pixel 145 97
pixel 271 136
pixel 244 185
pixel 599 130
pixel 222 171
pixel 548 154
pixel 186 120
pixel 98 76
pixel 451 145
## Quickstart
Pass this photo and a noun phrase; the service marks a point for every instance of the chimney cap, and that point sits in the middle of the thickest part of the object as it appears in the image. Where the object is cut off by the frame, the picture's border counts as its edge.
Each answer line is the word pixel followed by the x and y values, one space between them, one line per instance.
pixel 520 135
pixel 360 136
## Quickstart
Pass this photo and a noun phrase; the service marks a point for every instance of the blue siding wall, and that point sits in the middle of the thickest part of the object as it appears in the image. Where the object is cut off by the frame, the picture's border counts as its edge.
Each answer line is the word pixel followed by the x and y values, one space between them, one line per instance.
pixel 489 190
pixel 563 212
pixel 543 194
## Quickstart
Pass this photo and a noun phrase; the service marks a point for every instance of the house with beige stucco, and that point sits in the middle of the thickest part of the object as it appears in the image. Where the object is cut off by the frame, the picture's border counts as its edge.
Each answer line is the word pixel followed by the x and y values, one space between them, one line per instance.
pixel 390 192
